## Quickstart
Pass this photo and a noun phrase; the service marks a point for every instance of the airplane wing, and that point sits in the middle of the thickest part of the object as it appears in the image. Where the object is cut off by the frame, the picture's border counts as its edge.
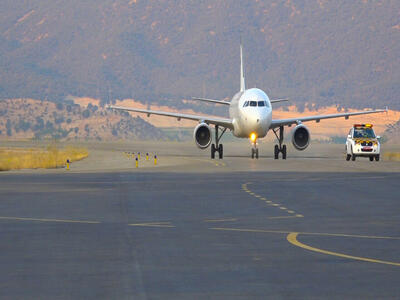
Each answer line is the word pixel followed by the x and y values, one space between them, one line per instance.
pixel 285 122
pixel 227 123
pixel 212 101
pixel 279 100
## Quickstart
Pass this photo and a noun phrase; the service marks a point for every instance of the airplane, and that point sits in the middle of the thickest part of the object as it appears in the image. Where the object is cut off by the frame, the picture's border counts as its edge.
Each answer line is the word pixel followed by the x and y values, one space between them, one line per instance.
pixel 250 116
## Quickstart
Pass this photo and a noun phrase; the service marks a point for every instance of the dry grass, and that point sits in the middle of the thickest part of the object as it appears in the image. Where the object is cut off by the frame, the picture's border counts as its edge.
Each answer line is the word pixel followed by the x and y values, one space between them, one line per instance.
pixel 393 156
pixel 51 157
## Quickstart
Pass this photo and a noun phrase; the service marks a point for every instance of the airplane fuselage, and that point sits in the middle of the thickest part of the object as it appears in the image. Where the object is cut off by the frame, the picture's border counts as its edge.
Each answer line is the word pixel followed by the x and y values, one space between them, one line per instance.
pixel 251 113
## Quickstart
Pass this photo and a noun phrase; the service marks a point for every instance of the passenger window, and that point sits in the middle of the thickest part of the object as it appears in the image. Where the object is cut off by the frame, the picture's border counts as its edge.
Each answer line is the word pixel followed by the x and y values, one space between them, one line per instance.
pixel 253 103
pixel 261 103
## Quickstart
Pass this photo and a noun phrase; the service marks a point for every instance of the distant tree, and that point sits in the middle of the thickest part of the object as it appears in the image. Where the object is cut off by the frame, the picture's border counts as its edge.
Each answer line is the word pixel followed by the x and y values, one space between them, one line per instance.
pixel 69 108
pixel 87 128
pixel 86 113
pixel 39 124
pixel 8 127
pixel 49 125
pixel 59 120
pixel 69 121
pixel 76 129
pixel 59 106
pixel 114 132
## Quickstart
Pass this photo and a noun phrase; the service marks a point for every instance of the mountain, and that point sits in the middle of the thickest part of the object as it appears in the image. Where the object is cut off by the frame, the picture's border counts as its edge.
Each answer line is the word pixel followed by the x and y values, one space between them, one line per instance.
pixel 323 52
pixel 28 118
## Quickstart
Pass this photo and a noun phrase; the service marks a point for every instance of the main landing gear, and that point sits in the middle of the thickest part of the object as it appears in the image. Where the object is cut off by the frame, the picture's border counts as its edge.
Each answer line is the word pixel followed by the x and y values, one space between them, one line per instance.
pixel 279 148
pixel 217 147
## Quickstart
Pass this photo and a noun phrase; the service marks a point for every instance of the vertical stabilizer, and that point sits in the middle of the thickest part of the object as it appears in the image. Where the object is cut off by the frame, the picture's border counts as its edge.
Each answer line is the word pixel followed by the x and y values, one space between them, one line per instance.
pixel 242 82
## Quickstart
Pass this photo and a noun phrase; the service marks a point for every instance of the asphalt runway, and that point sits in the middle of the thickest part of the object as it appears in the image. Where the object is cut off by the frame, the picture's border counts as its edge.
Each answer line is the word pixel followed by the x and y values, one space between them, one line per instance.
pixel 211 234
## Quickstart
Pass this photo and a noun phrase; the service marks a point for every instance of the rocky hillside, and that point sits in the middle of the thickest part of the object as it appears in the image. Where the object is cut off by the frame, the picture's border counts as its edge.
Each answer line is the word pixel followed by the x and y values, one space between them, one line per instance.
pixel 318 51
pixel 27 118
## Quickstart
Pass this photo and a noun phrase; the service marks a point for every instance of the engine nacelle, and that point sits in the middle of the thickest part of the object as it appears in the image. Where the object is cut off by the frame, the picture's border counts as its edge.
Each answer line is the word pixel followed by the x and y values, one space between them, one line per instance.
pixel 202 135
pixel 300 137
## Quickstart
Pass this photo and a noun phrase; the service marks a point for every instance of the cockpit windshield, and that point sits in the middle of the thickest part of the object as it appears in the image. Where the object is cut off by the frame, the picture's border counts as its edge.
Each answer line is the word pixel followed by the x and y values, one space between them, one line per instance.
pixel 255 103
pixel 364 133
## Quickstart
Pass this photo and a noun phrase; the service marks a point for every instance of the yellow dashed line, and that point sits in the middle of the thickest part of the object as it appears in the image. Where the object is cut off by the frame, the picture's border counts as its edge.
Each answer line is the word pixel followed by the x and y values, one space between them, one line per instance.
pixel 282 207
pixel 274 204
pixel 290 211
pixel 299 216
pixel 264 199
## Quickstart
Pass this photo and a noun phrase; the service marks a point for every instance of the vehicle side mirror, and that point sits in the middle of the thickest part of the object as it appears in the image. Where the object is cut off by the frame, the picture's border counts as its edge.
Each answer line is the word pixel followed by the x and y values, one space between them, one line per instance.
pixel 378 137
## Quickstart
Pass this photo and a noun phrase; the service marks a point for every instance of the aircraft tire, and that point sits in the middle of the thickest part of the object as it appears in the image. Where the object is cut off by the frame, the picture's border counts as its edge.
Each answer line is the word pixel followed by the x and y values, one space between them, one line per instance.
pixel 213 151
pixel 276 152
pixel 256 153
pixel 221 151
pixel 284 152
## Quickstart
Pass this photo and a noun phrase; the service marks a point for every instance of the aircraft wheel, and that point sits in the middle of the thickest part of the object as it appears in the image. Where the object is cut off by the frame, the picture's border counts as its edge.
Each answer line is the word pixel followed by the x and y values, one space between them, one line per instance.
pixel 377 157
pixel 276 152
pixel 284 152
pixel 221 151
pixel 252 153
pixel 256 153
pixel 213 151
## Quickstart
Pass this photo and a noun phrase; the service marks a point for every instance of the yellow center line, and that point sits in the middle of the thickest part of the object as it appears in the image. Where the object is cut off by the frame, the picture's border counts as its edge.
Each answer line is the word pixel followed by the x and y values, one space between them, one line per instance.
pixel 49 220
pixel 290 211
pixel 282 207
pixel 264 199
pixel 292 238
pixel 308 233
pixel 275 204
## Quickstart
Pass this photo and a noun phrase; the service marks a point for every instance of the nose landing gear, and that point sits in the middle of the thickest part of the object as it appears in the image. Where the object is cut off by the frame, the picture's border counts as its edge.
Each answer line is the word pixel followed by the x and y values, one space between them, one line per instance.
pixel 217 147
pixel 254 151
pixel 279 148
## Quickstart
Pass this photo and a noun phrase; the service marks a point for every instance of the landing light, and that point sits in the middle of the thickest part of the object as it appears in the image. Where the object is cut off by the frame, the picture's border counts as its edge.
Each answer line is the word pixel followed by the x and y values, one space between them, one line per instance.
pixel 253 137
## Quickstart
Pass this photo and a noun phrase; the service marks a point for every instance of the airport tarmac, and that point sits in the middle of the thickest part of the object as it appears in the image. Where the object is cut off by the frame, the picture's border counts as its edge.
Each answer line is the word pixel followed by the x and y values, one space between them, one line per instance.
pixel 313 226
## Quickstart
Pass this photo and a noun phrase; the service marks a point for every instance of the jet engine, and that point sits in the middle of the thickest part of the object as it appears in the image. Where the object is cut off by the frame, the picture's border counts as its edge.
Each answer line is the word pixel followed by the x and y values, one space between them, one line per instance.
pixel 202 135
pixel 300 137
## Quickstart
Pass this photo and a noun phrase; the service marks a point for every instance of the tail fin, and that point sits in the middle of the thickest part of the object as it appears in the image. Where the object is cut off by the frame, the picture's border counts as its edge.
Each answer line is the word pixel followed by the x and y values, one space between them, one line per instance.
pixel 242 82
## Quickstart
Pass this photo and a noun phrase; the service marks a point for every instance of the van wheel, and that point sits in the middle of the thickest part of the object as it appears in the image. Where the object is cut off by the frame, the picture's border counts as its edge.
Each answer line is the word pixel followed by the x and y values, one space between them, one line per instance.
pixel 371 158
pixel 377 157
pixel 348 156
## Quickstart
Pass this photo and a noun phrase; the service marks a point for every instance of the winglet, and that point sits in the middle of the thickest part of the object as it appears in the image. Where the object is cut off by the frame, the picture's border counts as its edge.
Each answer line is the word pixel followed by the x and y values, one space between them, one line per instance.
pixel 242 81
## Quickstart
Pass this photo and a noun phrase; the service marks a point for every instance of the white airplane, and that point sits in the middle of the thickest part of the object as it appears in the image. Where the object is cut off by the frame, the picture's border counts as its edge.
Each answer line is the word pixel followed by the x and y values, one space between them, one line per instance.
pixel 250 116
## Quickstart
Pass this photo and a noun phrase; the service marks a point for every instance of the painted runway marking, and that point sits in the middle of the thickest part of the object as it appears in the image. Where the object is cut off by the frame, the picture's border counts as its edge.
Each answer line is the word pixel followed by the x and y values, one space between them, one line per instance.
pixel 49 220
pixel 283 217
pixel 221 220
pixel 292 238
pixel 244 188
pixel 153 224
pixel 308 233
